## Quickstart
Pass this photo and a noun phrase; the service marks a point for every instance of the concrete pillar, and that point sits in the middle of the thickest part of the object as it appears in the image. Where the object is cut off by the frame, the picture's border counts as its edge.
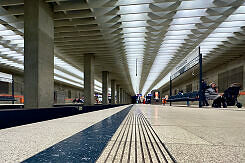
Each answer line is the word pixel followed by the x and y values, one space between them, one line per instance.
pixel 38 55
pixel 88 79
pixel 123 99
pixel 118 94
pixel 124 95
pixel 113 92
pixel 105 82
pixel 121 96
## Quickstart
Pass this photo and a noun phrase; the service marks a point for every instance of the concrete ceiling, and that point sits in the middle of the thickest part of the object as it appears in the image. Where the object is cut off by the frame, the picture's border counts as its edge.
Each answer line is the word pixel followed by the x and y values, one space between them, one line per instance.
pixel 156 33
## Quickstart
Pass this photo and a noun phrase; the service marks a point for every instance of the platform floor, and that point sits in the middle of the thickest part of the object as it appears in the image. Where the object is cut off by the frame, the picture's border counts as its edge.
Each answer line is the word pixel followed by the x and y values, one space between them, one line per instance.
pixel 142 133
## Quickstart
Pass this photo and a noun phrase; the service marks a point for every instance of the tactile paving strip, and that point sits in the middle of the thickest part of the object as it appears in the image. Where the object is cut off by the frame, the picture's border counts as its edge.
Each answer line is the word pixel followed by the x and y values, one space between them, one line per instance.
pixel 136 141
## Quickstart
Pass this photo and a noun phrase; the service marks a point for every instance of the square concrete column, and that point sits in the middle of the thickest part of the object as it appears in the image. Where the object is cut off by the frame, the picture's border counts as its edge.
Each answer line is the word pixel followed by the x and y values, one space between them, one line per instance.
pixel 105 83
pixel 124 97
pixel 38 54
pixel 121 96
pixel 88 79
pixel 118 94
pixel 113 92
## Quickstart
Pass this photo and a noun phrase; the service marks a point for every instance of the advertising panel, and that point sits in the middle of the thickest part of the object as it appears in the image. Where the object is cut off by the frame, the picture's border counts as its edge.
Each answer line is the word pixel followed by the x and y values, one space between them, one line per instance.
pixel 156 95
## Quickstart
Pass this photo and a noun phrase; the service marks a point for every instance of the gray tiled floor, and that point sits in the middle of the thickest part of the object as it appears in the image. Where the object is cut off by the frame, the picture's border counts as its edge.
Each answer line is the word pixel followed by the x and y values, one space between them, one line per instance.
pixel 200 135
pixel 22 142
pixel 134 141
pixel 190 134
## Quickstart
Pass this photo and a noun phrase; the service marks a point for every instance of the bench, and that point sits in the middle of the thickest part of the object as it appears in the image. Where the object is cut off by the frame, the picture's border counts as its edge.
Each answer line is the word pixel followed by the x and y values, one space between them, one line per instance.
pixel 191 96
pixel 7 98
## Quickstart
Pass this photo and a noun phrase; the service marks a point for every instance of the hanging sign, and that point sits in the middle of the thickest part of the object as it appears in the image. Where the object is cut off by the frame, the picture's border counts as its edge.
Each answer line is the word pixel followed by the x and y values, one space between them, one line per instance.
pixel 188 62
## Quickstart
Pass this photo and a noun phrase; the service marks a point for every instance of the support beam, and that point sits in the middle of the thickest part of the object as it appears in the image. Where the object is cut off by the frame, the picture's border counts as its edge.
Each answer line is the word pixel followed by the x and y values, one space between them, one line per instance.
pixel 118 94
pixel 105 79
pixel 88 79
pixel 125 97
pixel 113 92
pixel 121 96
pixel 39 55
pixel 129 101
pixel 124 94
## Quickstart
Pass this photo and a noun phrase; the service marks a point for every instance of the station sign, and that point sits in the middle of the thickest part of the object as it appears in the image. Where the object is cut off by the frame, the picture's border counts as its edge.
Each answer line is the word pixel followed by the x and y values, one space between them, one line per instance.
pixel 188 62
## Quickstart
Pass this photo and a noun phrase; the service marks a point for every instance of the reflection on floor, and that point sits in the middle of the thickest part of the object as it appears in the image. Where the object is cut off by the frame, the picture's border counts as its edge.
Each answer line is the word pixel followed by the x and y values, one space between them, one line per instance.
pixel 199 135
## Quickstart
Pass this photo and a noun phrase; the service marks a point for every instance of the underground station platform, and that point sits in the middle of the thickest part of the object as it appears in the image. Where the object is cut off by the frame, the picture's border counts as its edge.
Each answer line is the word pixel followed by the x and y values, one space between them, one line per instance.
pixel 131 133
pixel 122 81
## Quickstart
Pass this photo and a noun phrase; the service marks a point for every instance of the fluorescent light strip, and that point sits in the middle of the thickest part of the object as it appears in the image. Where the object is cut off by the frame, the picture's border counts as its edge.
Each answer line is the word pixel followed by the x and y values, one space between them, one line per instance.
pixel 67 81
pixel 17 41
pixel 5 77
pixel 226 29
pixel 217 37
pixel 73 80
pixel 165 54
pixel 134 32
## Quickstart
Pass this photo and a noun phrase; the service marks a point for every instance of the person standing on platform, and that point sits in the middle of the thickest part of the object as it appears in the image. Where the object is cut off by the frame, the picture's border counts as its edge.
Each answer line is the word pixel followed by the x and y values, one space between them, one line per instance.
pixel 204 86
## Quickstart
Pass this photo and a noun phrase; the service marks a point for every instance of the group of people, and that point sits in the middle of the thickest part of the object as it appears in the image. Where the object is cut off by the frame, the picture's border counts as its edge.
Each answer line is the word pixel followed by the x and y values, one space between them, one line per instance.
pixel 78 100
